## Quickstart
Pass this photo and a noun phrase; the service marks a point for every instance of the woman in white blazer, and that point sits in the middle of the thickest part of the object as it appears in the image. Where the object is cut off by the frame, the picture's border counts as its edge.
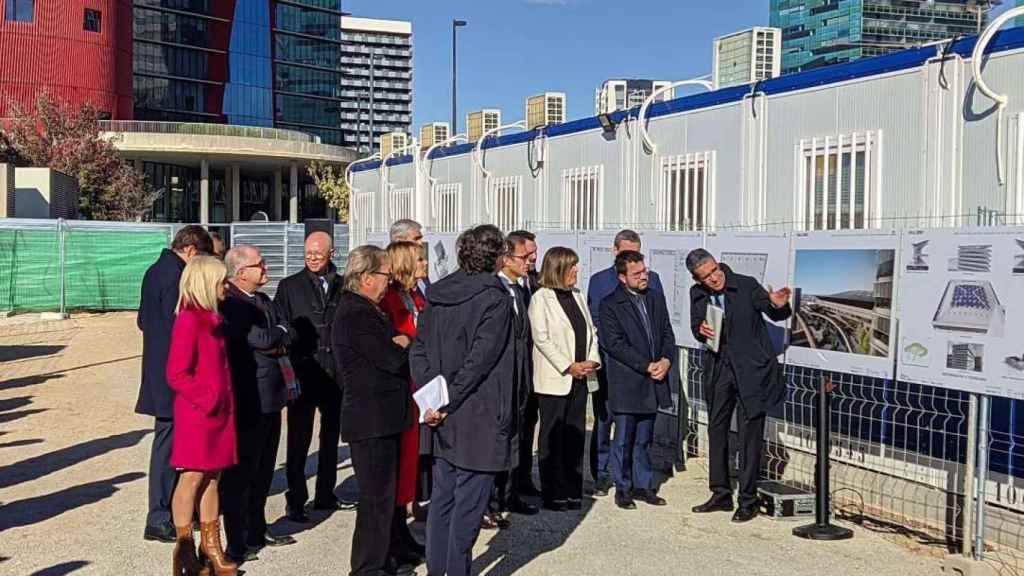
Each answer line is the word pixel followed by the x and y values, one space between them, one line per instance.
pixel 565 358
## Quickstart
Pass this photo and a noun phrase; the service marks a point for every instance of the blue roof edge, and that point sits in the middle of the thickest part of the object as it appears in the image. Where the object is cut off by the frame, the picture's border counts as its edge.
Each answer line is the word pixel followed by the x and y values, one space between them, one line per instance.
pixel 1004 40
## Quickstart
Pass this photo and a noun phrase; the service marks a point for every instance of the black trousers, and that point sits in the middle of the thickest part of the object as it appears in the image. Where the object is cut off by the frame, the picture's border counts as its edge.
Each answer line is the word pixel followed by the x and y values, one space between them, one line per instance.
pixel 524 470
pixel 601 434
pixel 457 504
pixel 325 397
pixel 725 399
pixel 562 441
pixel 162 476
pixel 244 488
pixel 375 462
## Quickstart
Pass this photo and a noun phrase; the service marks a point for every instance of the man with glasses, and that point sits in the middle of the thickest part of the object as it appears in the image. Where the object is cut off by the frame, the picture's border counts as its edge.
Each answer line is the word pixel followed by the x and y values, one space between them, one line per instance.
pixel 256 340
pixel 639 346
pixel 307 301
pixel 743 374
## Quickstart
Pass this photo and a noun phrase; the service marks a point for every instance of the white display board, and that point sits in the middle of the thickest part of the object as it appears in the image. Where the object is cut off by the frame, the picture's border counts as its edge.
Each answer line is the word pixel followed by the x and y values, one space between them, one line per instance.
pixel 378 239
pixel 962 318
pixel 595 255
pixel 548 240
pixel 665 253
pixel 844 286
pixel 441 254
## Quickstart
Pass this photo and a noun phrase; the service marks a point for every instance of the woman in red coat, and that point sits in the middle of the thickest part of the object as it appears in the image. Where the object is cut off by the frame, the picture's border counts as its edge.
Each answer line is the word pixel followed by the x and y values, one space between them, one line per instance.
pixel 204 416
pixel 403 303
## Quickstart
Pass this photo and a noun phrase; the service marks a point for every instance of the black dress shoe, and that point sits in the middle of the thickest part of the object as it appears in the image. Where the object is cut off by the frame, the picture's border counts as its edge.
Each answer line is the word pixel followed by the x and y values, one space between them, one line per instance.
pixel 396 568
pixel 518 506
pixel 601 487
pixel 624 501
pixel 744 514
pixel 574 504
pixel 162 533
pixel 271 539
pixel 556 505
pixel 297 515
pixel 248 556
pixel 649 497
pixel 336 504
pixel 714 504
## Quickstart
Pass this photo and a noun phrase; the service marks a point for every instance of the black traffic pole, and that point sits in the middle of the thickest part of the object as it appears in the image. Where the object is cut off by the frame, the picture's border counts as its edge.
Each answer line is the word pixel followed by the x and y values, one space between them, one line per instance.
pixel 823 529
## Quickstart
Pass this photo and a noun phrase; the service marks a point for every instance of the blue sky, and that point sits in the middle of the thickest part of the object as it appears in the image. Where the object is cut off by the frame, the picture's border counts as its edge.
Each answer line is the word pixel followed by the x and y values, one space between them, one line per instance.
pixel 825 272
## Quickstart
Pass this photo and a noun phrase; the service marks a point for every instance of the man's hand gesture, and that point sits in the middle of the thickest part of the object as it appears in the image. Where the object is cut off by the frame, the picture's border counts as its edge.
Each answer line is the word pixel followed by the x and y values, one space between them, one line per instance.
pixel 780 297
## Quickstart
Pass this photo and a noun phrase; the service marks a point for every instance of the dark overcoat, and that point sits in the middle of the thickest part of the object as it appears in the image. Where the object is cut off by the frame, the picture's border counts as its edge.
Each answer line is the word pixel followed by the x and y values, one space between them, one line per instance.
pixel 156 320
pixel 310 313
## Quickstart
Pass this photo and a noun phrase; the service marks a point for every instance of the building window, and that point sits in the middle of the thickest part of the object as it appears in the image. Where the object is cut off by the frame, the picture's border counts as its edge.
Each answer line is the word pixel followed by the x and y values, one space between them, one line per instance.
pixel 687 191
pixel 92 20
pixel 581 198
pixel 507 202
pixel 362 216
pixel 400 204
pixel 448 216
pixel 19 10
pixel 839 181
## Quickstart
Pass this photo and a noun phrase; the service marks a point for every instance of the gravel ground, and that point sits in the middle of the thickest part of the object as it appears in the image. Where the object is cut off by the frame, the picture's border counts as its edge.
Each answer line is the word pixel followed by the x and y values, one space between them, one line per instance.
pixel 73 461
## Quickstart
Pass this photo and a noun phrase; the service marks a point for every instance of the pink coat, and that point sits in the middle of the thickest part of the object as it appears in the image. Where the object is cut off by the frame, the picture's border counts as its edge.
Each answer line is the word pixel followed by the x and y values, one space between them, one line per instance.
pixel 204 405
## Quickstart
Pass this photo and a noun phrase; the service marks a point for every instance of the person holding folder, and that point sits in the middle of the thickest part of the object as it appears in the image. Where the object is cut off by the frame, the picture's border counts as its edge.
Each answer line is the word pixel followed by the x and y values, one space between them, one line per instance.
pixel 743 373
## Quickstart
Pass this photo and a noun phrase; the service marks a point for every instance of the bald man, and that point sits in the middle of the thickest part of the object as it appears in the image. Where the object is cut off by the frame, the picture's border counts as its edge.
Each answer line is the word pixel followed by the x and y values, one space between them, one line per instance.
pixel 307 301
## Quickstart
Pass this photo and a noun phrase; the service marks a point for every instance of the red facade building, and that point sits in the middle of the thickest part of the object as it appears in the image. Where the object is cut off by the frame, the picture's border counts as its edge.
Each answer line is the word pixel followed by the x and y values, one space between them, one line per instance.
pixel 76 50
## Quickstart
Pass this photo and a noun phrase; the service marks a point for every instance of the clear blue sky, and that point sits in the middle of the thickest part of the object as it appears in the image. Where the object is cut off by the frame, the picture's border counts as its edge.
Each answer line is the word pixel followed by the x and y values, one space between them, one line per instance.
pixel 515 48
pixel 824 272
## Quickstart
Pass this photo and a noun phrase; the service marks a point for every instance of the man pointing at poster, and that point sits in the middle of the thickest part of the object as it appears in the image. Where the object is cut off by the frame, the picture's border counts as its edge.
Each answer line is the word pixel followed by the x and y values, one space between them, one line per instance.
pixel 742 374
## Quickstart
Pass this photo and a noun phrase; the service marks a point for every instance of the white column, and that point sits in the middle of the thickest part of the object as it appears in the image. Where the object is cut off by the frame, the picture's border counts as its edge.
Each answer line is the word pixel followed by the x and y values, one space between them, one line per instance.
pixel 204 191
pixel 275 208
pixel 293 193
pixel 236 196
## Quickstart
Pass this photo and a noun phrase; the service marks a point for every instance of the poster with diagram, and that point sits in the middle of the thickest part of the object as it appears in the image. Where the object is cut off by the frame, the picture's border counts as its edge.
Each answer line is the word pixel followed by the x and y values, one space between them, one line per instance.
pixel 378 239
pixel 843 300
pixel 548 240
pixel 665 253
pixel 763 256
pixel 962 318
pixel 595 255
pixel 441 254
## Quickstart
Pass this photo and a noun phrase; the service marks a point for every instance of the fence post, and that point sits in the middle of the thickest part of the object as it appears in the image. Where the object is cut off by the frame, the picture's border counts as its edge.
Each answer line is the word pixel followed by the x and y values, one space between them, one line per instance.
pixel 982 478
pixel 62 268
pixel 967 528
pixel 285 228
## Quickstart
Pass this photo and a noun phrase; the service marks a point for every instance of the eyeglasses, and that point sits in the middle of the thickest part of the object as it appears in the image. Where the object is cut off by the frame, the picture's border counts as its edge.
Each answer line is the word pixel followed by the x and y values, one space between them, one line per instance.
pixel 713 271
pixel 523 256
pixel 318 256
pixel 260 264
pixel 384 274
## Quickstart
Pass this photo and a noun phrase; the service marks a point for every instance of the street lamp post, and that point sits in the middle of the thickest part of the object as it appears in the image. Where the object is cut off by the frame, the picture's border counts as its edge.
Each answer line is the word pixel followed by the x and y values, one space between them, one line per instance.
pixel 373 59
pixel 455 25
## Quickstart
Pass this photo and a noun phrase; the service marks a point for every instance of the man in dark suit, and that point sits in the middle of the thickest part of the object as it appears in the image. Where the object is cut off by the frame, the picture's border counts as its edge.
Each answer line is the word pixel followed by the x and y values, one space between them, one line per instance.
pixel 156 320
pixel 255 340
pixel 743 375
pixel 602 284
pixel 464 335
pixel 639 346
pixel 373 370
pixel 307 302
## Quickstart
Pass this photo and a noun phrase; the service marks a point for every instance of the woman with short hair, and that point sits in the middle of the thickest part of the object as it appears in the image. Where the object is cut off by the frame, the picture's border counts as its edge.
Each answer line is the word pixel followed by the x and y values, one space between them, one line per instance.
pixel 204 416
pixel 565 358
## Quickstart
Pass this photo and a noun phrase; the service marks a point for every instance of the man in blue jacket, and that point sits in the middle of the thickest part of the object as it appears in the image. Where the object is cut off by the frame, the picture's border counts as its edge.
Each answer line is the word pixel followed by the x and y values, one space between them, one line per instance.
pixel 156 399
pixel 602 284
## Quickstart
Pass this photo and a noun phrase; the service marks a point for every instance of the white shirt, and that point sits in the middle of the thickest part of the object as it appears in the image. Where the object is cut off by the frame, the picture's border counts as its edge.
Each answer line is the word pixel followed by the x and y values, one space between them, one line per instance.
pixel 512 291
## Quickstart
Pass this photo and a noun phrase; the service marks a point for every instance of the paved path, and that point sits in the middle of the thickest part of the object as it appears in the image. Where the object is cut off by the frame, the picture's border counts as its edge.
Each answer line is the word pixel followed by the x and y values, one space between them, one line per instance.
pixel 73 491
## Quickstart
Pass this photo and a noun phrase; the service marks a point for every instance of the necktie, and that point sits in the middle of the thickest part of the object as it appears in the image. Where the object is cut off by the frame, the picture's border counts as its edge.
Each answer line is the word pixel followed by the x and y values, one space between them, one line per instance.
pixel 646 320
pixel 324 284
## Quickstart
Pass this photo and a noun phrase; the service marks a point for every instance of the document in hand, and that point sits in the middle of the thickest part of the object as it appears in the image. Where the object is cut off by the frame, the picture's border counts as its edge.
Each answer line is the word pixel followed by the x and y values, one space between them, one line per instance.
pixel 432 396
pixel 714 318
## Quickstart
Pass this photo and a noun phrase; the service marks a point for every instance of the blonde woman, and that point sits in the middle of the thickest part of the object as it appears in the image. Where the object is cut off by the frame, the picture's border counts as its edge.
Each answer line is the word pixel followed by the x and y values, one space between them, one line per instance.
pixel 565 357
pixel 204 416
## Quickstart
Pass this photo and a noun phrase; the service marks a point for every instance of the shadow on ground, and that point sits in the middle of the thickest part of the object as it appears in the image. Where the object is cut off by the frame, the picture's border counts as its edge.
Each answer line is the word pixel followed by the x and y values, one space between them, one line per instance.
pixel 41 508
pixel 38 466
pixel 61 569
pixel 26 351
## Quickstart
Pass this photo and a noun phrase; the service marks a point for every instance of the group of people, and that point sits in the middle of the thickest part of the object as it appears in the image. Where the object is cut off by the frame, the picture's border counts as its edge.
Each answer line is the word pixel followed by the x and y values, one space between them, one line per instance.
pixel 515 349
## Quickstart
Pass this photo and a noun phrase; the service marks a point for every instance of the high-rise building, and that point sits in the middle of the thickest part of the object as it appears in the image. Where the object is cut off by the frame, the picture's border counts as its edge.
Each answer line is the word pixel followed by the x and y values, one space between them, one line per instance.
pixel 818 33
pixel 746 57
pixel 545 109
pixel 391 142
pixel 616 95
pixel 433 133
pixel 377 79
pixel 480 122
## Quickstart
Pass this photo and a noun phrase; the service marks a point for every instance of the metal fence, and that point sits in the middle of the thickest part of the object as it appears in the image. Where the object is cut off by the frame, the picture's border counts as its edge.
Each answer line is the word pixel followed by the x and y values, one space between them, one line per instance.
pixel 63 265
pixel 202 129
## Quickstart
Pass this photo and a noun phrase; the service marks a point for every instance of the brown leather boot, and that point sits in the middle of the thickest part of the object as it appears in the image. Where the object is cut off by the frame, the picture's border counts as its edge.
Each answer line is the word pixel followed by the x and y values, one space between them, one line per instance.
pixel 210 551
pixel 185 561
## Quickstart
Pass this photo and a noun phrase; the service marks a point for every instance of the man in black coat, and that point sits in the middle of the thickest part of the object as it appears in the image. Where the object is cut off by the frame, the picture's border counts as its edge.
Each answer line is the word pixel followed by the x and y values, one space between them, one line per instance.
pixel 465 336
pixel 373 372
pixel 256 339
pixel 743 375
pixel 156 320
pixel 307 302
pixel 639 346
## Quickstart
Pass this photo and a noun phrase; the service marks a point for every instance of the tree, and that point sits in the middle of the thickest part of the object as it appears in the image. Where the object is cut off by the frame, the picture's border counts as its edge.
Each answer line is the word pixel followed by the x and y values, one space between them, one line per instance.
pixel 53 135
pixel 332 186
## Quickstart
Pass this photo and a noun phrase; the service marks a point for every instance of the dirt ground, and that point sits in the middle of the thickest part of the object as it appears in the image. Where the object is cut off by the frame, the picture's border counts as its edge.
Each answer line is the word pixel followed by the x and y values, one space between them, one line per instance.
pixel 73 460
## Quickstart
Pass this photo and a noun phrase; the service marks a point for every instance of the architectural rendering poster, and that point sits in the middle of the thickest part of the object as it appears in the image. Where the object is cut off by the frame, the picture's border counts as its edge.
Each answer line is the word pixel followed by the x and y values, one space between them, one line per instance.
pixel 843 286
pixel 378 239
pixel 441 254
pixel 961 318
pixel 548 240
pixel 595 254
pixel 665 253
pixel 761 255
